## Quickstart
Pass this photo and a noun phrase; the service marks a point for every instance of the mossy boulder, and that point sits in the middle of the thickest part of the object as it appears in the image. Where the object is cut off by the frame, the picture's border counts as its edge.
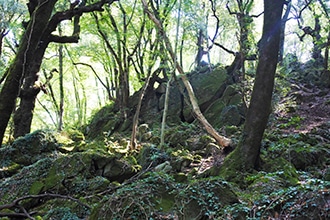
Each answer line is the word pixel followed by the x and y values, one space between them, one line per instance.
pixel 106 120
pixel 141 199
pixel 79 174
pixel 151 156
pixel 25 183
pixel 158 195
pixel 27 150
pixel 227 110
pixel 283 169
pixel 208 87
pixel 205 198
pixel 30 148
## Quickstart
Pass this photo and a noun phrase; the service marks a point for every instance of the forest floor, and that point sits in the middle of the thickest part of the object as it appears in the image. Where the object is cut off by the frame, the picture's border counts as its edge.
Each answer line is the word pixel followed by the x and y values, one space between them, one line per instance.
pixel 307 108
pixel 313 107
pixel 49 170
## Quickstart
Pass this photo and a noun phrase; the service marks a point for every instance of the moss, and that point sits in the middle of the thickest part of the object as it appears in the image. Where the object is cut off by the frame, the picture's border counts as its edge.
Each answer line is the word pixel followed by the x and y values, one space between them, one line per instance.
pixel 105 120
pixel 9 168
pixel 180 177
pixel 20 184
pixel 283 168
pixel 232 169
pixel 164 200
pixel 61 213
pixel 151 155
pixel 33 147
pixel 75 135
pixel 212 113
pixel 53 179
pixel 326 176
pixel 36 188
pixel 205 198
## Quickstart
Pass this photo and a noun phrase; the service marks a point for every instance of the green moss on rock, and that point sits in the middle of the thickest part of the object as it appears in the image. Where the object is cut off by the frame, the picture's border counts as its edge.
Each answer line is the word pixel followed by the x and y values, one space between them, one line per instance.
pixel 36 188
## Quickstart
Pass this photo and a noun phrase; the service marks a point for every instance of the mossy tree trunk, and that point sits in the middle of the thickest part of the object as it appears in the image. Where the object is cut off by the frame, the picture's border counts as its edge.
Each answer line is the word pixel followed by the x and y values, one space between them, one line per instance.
pixel 22 75
pixel 246 156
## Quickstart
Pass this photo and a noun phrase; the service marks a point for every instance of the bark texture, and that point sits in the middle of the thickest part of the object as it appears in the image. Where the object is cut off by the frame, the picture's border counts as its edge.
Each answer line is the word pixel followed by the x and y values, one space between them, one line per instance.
pixel 246 156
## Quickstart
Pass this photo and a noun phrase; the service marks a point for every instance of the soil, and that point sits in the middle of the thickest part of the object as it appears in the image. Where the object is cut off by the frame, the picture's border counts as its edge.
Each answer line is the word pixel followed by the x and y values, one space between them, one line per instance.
pixel 312 106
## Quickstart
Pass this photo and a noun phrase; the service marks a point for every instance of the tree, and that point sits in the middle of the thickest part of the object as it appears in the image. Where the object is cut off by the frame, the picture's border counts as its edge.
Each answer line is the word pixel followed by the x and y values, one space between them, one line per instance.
pixel 246 156
pixel 317 13
pixel 285 18
pixel 10 12
pixel 222 141
pixel 245 21
pixel 22 74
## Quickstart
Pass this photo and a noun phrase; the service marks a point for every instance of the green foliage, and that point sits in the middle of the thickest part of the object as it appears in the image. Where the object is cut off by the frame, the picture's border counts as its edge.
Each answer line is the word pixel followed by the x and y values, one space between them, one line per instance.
pixel 105 120
pixel 150 155
pixel 10 12
pixel 36 188
pixel 267 197
pixel 294 121
pixel 61 213
pixel 302 150
pixel 205 198
pixel 24 179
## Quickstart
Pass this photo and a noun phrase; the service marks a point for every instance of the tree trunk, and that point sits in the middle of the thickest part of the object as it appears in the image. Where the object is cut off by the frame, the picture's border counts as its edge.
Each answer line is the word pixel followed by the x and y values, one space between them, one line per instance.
pixel 61 85
pixel 317 47
pixel 22 62
pixel 162 130
pixel 28 59
pixel 28 93
pixel 200 48
pixel 283 23
pixel 246 156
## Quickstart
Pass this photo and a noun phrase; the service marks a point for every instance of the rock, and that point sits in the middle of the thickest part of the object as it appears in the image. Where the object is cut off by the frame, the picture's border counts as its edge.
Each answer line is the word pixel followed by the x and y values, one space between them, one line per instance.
pixel 231 116
pixel 151 156
pixel 158 196
pixel 144 133
pixel 30 148
pixel 164 167
pixel 212 89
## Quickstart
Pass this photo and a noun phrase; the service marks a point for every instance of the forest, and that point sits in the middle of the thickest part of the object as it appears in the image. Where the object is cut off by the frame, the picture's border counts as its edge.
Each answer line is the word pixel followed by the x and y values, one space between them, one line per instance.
pixel 164 109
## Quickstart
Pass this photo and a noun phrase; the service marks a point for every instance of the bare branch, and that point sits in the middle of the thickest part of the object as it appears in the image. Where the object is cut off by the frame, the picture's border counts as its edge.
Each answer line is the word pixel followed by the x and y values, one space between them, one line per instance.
pixel 16 204
pixel 99 78
pixel 78 11
pixel 213 8
pixel 225 49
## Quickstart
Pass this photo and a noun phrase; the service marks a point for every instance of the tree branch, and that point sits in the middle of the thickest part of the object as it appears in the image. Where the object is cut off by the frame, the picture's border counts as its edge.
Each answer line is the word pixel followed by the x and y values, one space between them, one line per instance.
pixel 15 204
pixel 78 11
pixel 107 88
pixel 224 48
pixel 63 39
